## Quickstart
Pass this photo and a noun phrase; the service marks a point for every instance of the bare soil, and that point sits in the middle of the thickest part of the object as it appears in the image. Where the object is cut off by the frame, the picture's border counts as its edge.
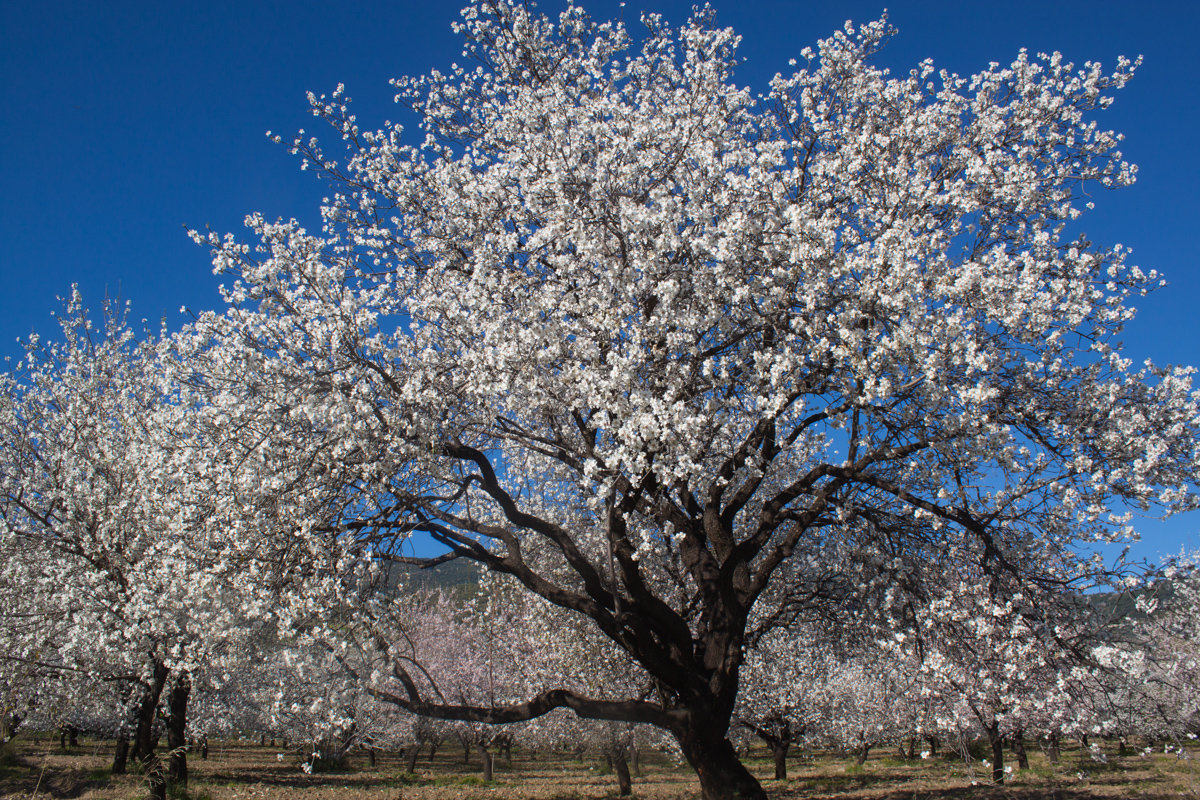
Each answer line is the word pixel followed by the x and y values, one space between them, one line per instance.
pixel 37 768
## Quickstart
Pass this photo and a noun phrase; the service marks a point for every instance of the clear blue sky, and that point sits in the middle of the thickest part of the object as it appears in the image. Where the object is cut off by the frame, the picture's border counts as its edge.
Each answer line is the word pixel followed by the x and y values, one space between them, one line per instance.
pixel 124 122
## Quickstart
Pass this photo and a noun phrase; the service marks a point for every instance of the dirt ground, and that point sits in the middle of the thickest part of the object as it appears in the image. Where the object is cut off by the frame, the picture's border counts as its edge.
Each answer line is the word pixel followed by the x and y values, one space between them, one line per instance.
pixel 39 769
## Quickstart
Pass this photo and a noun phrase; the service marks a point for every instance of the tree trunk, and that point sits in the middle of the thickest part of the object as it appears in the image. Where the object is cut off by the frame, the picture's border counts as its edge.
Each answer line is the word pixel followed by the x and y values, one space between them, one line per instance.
pixel 177 730
pixel 414 753
pixel 1052 750
pixel 204 747
pixel 433 748
pixel 9 727
pixel 371 757
pixel 621 767
pixel 1018 748
pixel 145 741
pixel 779 751
pixel 635 761
pixel 864 750
pixel 121 755
pixel 933 744
pixel 156 780
pixel 487 762
pixel 722 776
pixel 997 742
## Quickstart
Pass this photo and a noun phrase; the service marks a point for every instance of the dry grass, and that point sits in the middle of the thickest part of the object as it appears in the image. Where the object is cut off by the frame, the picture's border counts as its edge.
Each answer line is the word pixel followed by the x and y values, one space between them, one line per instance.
pixel 243 770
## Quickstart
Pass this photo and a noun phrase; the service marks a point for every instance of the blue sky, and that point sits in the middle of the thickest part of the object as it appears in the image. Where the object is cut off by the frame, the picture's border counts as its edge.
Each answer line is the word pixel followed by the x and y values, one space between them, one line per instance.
pixel 124 122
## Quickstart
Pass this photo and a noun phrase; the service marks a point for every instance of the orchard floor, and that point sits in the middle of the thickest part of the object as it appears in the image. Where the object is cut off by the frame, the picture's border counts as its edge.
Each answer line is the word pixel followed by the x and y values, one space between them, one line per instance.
pixel 243 770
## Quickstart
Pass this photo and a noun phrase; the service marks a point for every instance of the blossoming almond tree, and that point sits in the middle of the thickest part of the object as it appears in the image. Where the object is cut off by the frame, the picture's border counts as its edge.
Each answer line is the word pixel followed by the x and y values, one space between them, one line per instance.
pixel 121 580
pixel 640 338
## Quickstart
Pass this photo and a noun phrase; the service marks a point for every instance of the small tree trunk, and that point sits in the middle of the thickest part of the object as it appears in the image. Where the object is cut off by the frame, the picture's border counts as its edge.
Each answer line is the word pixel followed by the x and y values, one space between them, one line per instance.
pixel 121 755
pixel 1018 748
pixel 144 741
pixel 433 748
pixel 621 767
pixel 635 761
pixel 864 750
pixel 912 748
pixel 466 752
pixel 997 742
pixel 932 741
pixel 8 729
pixel 204 747
pixel 62 738
pixel 1084 740
pixel 487 762
pixel 1123 748
pixel 156 780
pixel 1052 753
pixel 414 753
pixel 177 730
pixel 779 752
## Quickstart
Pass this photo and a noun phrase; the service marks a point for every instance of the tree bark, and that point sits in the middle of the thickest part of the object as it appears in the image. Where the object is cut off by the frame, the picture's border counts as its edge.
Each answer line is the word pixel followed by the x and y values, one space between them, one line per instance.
pixel 1018 748
pixel 635 761
pixel 997 742
pixel 414 753
pixel 156 780
pixel 779 752
pixel 145 741
pixel 9 727
pixel 864 750
pixel 722 775
pixel 486 756
pixel 121 755
pixel 177 770
pixel 621 767
pixel 1052 749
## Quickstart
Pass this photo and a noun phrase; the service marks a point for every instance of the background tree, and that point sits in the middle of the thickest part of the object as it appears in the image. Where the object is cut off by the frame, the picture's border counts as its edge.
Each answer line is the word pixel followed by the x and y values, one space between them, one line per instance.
pixel 122 578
